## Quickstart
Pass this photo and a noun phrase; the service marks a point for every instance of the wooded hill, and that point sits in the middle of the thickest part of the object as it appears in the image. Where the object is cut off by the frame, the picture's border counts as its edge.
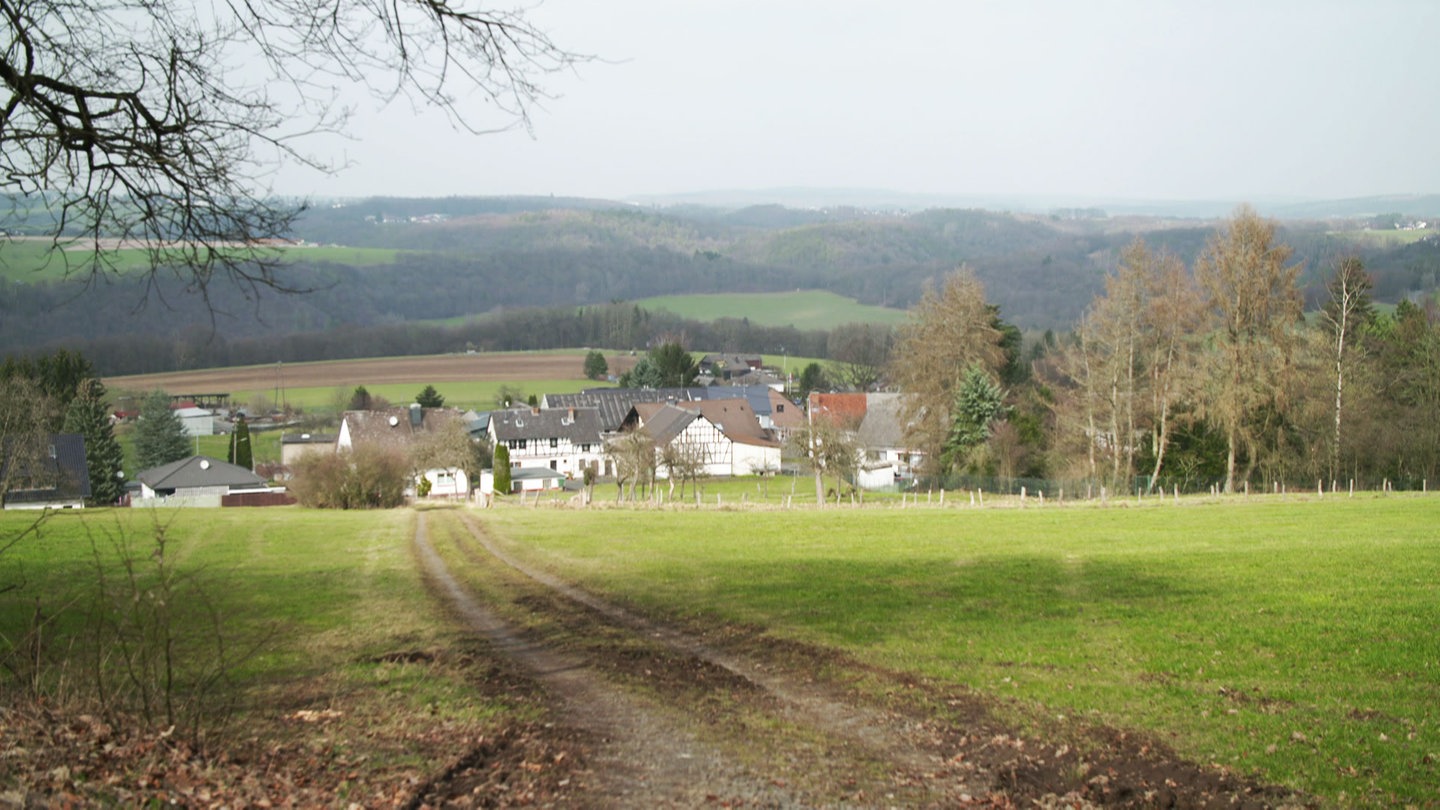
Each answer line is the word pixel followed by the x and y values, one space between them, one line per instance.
pixel 459 257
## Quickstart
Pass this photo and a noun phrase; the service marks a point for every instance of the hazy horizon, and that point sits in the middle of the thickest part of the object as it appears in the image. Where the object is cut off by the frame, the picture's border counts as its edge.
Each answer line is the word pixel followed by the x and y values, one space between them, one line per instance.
pixel 1139 101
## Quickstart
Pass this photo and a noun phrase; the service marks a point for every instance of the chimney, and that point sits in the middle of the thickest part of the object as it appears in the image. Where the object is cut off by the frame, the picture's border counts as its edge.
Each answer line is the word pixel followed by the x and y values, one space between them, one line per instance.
pixel 416 415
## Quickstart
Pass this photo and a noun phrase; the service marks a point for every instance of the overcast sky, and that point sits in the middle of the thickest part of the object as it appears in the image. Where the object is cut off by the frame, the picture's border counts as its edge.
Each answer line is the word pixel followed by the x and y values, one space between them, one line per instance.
pixel 1100 100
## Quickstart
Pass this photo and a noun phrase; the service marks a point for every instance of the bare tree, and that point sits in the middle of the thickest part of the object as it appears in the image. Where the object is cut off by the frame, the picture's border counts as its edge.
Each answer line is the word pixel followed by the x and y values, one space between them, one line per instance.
pixel 684 461
pixel 634 455
pixel 155 123
pixel 1251 293
pixel 858 354
pixel 1345 312
pixel 949 330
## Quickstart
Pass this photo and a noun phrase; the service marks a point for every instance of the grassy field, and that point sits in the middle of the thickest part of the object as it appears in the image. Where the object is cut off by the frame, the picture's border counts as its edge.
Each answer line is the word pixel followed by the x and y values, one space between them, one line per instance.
pixel 321 611
pixel 1295 640
pixel 31 260
pixel 810 309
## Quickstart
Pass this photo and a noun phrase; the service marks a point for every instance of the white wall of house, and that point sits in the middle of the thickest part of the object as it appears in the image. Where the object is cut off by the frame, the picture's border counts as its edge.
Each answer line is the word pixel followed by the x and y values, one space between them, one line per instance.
pixel 749 459
pixel 452 483
pixel 561 455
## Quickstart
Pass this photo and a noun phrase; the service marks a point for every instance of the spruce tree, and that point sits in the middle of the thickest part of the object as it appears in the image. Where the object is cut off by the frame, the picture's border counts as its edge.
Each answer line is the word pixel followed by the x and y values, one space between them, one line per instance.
pixel 159 435
pixel 88 416
pixel 240 452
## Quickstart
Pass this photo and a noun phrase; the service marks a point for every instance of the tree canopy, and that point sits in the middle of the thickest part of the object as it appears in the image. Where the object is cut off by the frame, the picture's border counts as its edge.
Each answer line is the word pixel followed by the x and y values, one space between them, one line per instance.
pixel 159 434
pixel 156 124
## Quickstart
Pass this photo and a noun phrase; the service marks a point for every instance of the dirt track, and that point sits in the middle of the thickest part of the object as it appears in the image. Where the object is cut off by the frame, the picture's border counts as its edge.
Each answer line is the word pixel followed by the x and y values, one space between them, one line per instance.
pixel 498 367
pixel 725 716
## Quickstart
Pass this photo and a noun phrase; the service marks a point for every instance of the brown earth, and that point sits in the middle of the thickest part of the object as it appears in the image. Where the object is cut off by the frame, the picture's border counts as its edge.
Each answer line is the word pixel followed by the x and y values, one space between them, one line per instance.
pixel 440 368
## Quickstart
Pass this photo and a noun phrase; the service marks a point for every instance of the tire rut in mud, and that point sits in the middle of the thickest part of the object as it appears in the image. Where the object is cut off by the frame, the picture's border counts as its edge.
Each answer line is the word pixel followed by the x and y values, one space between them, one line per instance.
pixel 636 755
pixel 804 738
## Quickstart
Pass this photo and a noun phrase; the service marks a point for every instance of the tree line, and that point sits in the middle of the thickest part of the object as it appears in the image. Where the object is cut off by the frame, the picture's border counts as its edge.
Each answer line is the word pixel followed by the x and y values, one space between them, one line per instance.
pixel 1183 373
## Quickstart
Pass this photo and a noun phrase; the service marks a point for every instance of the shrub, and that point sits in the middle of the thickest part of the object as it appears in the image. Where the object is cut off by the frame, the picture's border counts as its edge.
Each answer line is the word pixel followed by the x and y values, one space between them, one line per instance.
pixel 367 478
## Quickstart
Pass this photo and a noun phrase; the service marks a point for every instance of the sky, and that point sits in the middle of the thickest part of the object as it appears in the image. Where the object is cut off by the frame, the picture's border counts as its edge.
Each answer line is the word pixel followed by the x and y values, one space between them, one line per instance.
pixel 1089 101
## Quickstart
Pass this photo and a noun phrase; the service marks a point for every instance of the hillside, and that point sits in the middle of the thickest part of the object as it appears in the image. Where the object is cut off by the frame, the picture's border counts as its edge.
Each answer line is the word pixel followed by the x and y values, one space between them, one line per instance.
pixel 408 262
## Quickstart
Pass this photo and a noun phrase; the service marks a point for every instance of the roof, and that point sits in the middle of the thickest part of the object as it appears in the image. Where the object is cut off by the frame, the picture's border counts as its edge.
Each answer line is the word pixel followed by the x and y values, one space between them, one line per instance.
pixel 579 425
pixel 882 425
pixel 783 412
pixel 839 410
pixel 396 427
pixel 64 472
pixel 615 404
pixel 199 471
pixel 733 417
pixel 192 412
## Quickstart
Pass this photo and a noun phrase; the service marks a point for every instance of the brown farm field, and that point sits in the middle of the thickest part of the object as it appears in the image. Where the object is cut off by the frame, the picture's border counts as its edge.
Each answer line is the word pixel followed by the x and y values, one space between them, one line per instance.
pixel 314 381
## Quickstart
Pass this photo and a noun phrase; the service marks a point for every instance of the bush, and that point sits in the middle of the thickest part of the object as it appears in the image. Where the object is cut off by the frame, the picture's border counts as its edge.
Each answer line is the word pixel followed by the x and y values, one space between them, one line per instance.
pixel 367 478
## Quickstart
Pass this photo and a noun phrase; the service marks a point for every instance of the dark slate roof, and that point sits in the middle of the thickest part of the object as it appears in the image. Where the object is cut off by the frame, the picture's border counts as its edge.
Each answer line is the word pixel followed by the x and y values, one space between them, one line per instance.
pixel 615 404
pixel 64 474
pixel 199 471
pixel 579 425
pixel 663 421
pixel 732 416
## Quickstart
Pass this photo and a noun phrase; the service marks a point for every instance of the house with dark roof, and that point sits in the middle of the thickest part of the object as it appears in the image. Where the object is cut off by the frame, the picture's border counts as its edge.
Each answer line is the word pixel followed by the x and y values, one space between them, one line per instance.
pixel 402 429
pixel 565 440
pixel 614 404
pixel 57 477
pixel 723 434
pixel 196 481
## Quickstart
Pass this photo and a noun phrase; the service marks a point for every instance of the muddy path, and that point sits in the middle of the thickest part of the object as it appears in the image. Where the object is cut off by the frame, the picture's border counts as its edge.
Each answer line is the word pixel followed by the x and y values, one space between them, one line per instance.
pixel 663 715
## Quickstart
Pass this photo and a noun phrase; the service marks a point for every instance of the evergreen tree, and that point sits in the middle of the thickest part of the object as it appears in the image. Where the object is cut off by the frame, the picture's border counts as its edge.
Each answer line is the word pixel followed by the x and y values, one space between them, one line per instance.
pixel 159 435
pixel 88 416
pixel 240 448
pixel 595 366
pixel 979 401
pixel 429 398
pixel 360 400
pixel 502 470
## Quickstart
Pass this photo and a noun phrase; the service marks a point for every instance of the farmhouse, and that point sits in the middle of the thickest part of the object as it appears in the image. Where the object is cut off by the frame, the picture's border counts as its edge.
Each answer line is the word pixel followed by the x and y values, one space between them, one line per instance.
pixel 562 440
pixel 722 435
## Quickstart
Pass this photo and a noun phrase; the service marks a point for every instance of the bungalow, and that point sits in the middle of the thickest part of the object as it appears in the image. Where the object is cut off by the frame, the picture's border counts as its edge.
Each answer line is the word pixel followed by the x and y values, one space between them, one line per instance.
pixel 58 479
pixel 197 481
pixel 564 440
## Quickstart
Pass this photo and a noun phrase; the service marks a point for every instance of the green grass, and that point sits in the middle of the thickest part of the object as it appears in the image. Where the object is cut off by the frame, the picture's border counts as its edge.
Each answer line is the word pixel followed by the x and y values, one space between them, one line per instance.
pixel 328 592
pixel 1383 238
pixel 1296 640
pixel 479 395
pixel 32 260
pixel 810 309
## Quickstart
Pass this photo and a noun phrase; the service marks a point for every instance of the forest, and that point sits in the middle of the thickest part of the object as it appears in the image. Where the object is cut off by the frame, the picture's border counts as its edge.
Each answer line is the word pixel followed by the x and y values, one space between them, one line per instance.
pixel 528 263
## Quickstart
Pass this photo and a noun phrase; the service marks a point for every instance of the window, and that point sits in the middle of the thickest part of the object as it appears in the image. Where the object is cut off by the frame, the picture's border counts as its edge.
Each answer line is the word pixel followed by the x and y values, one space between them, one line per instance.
pixel 779 408
pixel 585 448
pixel 552 463
pixel 554 443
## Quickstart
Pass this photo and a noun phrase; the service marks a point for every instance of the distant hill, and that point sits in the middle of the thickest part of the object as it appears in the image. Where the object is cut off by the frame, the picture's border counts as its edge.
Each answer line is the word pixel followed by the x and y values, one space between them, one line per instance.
pixel 419 261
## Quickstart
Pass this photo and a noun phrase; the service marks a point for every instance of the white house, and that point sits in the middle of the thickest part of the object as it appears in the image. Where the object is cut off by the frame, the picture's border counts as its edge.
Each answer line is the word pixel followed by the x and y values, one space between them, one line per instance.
pixel 563 440
pixel 723 434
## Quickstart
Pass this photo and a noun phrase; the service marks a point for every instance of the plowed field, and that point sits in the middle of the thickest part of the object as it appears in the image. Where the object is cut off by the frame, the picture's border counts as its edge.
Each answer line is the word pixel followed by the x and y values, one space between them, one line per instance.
pixel 497 367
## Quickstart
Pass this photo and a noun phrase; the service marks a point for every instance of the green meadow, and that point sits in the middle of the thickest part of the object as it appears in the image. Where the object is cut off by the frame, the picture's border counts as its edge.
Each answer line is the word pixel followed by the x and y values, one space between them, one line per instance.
pixel 32 260
pixel 1293 640
pixel 809 309
pixel 311 606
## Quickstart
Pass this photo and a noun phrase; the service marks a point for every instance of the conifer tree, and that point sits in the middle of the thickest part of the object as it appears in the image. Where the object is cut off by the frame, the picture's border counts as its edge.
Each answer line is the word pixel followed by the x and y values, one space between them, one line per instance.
pixel 240 450
pixel 159 435
pixel 88 416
